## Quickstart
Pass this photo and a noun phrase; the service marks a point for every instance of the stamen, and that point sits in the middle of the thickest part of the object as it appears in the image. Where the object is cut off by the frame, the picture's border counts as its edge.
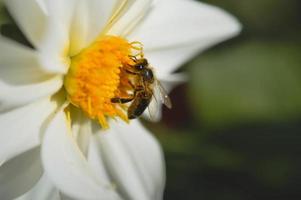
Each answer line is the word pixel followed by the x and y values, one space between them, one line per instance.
pixel 96 76
pixel 138 46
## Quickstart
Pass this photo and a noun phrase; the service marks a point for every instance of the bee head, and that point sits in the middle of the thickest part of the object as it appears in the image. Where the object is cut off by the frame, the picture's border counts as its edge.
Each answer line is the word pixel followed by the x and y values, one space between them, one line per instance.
pixel 141 64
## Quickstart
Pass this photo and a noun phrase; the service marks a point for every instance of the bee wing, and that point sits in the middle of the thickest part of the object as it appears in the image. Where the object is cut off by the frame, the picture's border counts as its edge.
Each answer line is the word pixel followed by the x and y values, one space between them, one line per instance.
pixel 154 110
pixel 161 95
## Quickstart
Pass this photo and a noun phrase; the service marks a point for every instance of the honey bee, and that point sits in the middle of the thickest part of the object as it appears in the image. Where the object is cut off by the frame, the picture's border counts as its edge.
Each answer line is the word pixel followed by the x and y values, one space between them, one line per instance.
pixel 145 87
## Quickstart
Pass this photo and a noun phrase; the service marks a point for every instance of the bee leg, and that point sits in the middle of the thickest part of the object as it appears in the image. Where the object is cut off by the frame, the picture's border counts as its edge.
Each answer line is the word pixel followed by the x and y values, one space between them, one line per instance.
pixel 129 99
pixel 133 58
pixel 129 69
pixel 125 100
pixel 122 100
pixel 131 72
pixel 132 85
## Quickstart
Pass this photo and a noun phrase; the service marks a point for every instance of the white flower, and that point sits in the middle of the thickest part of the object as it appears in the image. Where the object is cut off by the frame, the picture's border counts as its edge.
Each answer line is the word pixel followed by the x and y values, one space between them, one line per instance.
pixel 49 148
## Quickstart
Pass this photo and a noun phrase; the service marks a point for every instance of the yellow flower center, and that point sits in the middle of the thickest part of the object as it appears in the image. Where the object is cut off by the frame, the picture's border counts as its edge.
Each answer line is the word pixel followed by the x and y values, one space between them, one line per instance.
pixel 96 76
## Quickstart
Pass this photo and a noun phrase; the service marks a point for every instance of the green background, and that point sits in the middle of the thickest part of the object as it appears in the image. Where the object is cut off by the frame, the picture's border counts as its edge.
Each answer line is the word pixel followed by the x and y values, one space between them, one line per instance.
pixel 235 130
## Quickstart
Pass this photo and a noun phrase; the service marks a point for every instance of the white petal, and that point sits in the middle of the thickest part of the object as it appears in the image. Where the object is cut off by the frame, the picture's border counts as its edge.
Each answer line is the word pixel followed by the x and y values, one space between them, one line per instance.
pixel 55 46
pixel 19 64
pixel 177 22
pixel 81 130
pixel 176 30
pixel 90 18
pixel 54 50
pixel 167 60
pixel 65 197
pixel 42 5
pixel 20 174
pixel 133 13
pixel 21 128
pixel 12 96
pixel 134 160
pixel 96 161
pixel 30 17
pixel 61 12
pixel 66 166
pixel 43 190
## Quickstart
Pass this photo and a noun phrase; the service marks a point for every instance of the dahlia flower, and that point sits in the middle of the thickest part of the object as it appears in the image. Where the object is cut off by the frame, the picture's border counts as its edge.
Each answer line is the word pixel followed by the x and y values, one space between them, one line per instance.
pixel 61 136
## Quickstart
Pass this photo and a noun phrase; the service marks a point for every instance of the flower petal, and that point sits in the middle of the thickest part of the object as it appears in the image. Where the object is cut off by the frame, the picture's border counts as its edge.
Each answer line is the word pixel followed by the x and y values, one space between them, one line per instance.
pixel 44 189
pixel 178 22
pixel 61 12
pixel 176 30
pixel 134 160
pixel 42 5
pixel 96 161
pixel 30 17
pixel 167 60
pixel 132 14
pixel 12 96
pixel 81 129
pixel 65 197
pixel 19 64
pixel 66 166
pixel 54 49
pixel 91 16
pixel 55 46
pixel 20 74
pixel 20 174
pixel 21 128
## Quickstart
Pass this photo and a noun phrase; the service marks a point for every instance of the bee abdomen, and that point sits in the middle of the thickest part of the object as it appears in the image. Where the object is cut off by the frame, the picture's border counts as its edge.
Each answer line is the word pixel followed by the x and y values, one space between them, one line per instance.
pixel 139 105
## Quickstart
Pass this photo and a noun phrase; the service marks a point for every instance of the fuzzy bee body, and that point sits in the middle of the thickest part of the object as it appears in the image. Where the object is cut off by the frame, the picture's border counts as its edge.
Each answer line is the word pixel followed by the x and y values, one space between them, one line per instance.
pixel 143 85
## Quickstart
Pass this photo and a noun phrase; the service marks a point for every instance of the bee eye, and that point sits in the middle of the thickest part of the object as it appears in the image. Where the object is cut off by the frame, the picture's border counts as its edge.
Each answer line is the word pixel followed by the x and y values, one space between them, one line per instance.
pixel 139 67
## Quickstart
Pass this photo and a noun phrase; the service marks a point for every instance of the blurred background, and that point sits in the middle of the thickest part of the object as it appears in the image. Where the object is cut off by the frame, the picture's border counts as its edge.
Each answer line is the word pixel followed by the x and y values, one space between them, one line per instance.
pixel 235 130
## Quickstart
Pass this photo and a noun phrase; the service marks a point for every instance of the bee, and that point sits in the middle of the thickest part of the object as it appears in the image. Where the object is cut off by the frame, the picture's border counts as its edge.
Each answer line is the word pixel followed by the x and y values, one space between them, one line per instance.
pixel 145 87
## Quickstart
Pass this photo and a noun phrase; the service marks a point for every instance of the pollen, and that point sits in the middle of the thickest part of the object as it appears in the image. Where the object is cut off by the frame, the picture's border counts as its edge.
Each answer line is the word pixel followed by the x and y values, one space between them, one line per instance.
pixel 96 76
